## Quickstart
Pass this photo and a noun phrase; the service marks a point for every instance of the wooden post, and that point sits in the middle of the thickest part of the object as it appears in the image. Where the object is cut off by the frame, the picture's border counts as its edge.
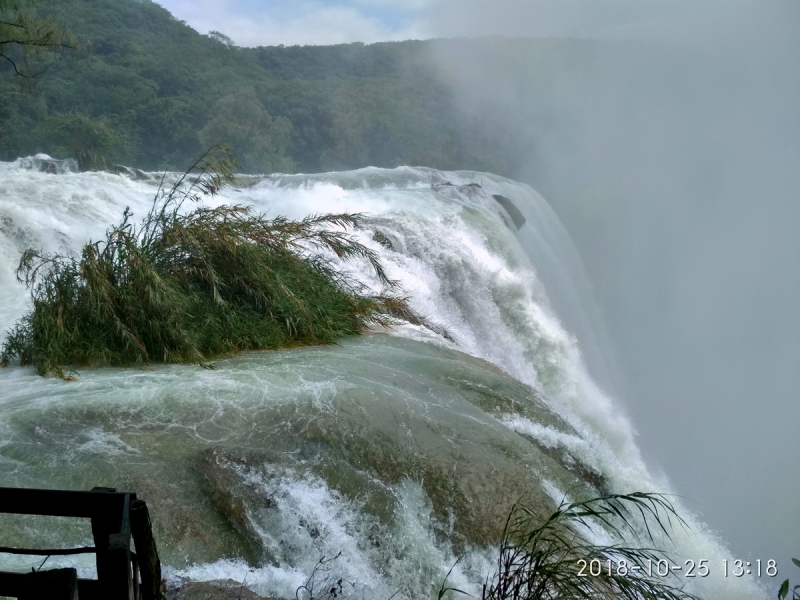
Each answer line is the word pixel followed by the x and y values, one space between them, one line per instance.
pixel 55 584
pixel 112 538
pixel 146 552
pixel 118 575
pixel 110 514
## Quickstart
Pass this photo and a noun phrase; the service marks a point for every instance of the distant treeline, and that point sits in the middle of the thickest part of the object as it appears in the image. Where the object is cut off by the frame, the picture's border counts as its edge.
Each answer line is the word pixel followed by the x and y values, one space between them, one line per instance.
pixel 146 90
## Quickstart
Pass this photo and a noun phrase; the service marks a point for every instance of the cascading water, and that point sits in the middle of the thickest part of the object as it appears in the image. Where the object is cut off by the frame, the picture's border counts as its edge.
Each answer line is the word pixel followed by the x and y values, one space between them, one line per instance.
pixel 402 452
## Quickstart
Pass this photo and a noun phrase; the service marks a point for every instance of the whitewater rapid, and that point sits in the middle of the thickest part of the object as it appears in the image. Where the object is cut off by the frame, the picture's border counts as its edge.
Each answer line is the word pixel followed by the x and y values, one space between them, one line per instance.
pixel 495 286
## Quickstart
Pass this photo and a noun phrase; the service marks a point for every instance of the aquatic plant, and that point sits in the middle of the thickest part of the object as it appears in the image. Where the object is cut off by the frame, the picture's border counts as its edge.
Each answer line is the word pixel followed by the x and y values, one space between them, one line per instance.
pixel 551 558
pixel 321 584
pixel 185 286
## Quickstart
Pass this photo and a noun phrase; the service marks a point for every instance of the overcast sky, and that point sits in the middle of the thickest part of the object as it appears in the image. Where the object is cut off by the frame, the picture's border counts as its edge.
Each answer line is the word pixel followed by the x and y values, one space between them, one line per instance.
pixel 319 22
pixel 303 22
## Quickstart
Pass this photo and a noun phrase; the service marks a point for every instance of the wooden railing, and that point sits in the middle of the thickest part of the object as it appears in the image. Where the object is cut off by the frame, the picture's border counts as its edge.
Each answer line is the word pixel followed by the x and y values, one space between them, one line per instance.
pixel 117 517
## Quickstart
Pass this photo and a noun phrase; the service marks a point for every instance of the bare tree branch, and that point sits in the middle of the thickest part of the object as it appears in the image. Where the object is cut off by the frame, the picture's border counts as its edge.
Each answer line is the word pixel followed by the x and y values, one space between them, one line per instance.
pixel 24 35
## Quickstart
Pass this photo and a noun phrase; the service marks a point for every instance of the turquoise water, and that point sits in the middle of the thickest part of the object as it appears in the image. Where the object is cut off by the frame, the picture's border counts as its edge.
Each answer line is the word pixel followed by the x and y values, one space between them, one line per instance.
pixel 402 450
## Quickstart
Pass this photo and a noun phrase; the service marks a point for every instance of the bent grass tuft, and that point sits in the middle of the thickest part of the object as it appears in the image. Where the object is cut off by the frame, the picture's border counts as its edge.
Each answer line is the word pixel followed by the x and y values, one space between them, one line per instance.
pixel 187 286
pixel 541 559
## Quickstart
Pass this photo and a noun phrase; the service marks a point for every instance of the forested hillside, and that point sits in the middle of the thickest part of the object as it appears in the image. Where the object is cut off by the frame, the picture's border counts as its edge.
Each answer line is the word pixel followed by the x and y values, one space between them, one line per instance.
pixel 586 122
pixel 146 90
pixel 149 91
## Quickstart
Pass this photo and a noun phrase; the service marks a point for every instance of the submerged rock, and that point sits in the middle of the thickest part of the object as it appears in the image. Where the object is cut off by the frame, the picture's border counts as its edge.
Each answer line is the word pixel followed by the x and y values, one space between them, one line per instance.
pixel 516 216
pixel 384 241
pixel 130 172
pixel 45 164
pixel 216 590
pixel 394 451
pixel 229 491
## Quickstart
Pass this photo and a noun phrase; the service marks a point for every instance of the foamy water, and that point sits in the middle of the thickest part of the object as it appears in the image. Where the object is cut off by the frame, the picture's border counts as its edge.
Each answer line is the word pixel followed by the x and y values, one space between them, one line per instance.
pixel 464 266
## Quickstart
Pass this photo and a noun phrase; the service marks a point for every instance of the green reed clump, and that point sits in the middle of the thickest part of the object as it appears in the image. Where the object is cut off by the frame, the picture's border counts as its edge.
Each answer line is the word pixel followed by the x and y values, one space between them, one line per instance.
pixel 185 286
pixel 550 558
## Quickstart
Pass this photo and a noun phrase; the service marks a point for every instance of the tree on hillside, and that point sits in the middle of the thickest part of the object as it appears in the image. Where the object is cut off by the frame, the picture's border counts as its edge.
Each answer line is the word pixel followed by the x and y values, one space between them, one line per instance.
pixel 24 35
pixel 258 139
pixel 93 142
pixel 378 123
pixel 220 37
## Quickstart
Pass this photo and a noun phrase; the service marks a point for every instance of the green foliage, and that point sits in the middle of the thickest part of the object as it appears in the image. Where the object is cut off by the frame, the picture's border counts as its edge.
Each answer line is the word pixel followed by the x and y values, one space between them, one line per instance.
pixel 259 140
pixel 379 123
pixel 221 38
pixel 93 142
pixel 24 35
pixel 784 589
pixel 541 559
pixel 171 92
pixel 188 286
pixel 20 114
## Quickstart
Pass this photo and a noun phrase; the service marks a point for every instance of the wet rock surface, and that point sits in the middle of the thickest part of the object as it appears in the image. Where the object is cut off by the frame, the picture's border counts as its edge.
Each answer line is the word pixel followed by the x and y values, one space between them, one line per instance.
pixel 229 590
pixel 44 164
pixel 376 447
pixel 131 172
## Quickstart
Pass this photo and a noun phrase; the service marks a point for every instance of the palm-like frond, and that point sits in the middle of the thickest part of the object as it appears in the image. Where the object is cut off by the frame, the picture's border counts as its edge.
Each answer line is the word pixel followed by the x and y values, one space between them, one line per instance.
pixel 550 559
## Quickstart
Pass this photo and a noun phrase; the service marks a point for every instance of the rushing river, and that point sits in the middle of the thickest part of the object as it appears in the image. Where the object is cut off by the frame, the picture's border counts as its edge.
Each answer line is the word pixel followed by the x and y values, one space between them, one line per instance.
pixel 392 454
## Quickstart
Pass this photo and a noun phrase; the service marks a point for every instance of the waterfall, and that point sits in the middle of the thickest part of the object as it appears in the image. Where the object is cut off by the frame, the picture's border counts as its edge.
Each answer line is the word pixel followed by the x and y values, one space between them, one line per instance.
pixel 401 449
